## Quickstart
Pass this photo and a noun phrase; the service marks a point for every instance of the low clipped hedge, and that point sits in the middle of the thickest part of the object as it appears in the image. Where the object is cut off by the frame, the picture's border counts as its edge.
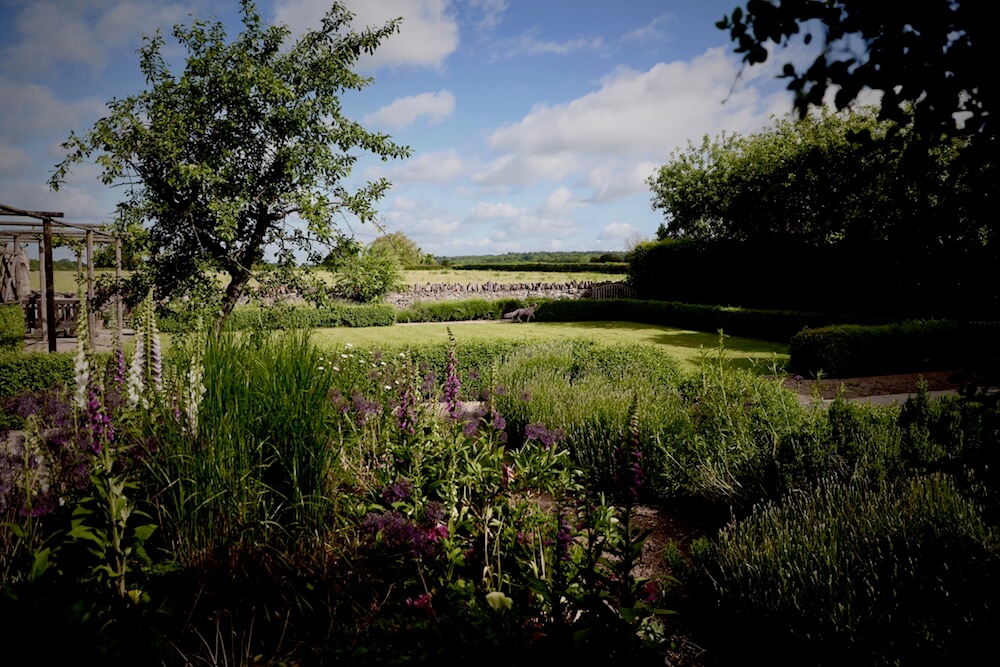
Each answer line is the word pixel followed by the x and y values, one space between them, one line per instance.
pixel 293 317
pixel 34 371
pixel 859 572
pixel 11 326
pixel 774 325
pixel 847 350
pixel 458 310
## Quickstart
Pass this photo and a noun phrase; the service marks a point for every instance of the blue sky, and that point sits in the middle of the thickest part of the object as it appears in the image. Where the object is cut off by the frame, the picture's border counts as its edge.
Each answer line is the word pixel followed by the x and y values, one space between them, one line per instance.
pixel 533 123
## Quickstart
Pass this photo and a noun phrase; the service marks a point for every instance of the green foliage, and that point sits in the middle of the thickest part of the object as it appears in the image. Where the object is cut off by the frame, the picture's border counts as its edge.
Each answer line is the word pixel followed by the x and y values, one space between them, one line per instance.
pixel 928 56
pixel 806 179
pixel 860 571
pixel 853 350
pixel 35 371
pixel 406 251
pixel 216 158
pixel 458 310
pixel 368 275
pixel 12 327
pixel 903 281
pixel 774 325
pixel 294 317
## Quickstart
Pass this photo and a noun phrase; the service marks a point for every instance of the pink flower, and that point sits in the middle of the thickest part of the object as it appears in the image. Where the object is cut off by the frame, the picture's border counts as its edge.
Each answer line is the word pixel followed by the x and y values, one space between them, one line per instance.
pixel 438 532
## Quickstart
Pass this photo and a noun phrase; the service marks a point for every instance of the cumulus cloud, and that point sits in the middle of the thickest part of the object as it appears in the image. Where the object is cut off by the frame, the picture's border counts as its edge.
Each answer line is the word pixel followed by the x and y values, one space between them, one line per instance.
pixel 31 108
pixel 405 111
pixel 440 167
pixel 529 44
pixel 651 32
pixel 427 35
pixel 633 119
pixel 53 32
pixel 616 235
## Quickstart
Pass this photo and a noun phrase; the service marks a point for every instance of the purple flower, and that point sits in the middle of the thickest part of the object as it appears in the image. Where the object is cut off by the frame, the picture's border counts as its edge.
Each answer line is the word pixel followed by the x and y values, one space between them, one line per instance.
pixel 397 491
pixel 364 409
pixel 451 381
pixel 564 537
pixel 538 431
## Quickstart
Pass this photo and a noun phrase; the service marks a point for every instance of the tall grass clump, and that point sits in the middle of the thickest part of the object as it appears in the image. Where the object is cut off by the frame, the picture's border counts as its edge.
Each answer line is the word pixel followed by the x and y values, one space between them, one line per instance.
pixel 865 571
pixel 584 390
pixel 258 465
pixel 737 422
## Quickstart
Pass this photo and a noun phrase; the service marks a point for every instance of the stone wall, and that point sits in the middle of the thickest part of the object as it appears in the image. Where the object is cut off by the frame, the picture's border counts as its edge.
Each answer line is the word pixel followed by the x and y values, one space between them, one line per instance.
pixel 574 289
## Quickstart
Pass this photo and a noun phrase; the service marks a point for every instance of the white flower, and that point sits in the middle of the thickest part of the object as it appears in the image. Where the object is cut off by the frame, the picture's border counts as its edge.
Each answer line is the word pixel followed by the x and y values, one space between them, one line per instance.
pixel 336 368
pixel 402 354
pixel 348 345
pixel 388 388
pixel 383 363
pixel 319 368
pixel 343 356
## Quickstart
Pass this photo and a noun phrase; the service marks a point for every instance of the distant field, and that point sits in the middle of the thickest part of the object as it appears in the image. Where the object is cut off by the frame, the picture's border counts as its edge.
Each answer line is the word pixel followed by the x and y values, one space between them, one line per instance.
pixel 688 347
pixel 65 281
pixel 446 275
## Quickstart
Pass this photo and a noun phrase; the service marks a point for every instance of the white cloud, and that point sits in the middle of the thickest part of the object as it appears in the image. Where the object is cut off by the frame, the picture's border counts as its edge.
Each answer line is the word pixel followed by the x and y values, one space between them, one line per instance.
pixel 632 119
pixel 492 13
pixel 52 32
pixel 528 44
pixel 441 167
pixel 12 159
pixel 488 211
pixel 616 235
pixel 427 35
pixel 405 111
pixel 30 108
pixel 614 180
pixel 651 32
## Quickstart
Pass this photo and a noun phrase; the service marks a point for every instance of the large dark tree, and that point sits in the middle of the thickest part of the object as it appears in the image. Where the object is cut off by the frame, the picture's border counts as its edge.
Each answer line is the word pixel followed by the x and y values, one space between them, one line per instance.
pixel 216 160
pixel 929 58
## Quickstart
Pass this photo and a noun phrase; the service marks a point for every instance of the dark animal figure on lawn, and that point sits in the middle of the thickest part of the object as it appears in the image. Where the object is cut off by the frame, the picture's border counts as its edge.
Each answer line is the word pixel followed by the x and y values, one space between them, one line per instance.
pixel 521 314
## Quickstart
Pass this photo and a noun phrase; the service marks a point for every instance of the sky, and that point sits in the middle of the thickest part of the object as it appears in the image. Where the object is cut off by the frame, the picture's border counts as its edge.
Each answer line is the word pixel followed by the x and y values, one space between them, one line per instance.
pixel 533 124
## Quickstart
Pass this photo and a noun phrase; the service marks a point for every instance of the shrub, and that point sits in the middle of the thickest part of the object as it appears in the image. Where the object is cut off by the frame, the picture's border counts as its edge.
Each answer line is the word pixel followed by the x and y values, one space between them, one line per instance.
pixel 774 325
pixel 850 349
pixel 12 328
pixel 35 371
pixel 457 310
pixel 858 572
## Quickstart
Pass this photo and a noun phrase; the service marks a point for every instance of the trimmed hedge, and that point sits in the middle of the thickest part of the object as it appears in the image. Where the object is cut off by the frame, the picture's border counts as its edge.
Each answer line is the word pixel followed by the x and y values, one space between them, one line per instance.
pixel 34 371
pixel 11 326
pixel 850 350
pixel 773 325
pixel 782 273
pixel 458 310
pixel 293 317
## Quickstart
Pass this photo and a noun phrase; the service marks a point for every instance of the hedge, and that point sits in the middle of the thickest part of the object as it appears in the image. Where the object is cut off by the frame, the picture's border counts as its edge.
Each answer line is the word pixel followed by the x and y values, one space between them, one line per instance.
pixel 290 317
pixel 904 283
pixel 773 325
pixel 11 326
pixel 34 371
pixel 852 350
pixel 458 310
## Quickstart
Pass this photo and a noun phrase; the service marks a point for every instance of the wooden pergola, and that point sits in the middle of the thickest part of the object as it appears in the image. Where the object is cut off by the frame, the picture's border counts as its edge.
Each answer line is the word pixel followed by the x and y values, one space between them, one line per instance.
pixel 39 229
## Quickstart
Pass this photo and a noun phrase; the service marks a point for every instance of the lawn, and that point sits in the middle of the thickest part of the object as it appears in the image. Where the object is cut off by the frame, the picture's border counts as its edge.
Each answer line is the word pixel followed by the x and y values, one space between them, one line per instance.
pixel 688 347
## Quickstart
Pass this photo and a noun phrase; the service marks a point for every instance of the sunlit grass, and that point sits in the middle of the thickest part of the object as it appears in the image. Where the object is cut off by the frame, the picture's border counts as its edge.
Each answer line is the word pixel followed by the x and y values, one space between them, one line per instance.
pixel 688 347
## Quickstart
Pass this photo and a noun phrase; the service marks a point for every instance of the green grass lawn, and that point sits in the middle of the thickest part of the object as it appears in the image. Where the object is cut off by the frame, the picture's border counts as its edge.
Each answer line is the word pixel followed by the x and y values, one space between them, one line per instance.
pixel 689 347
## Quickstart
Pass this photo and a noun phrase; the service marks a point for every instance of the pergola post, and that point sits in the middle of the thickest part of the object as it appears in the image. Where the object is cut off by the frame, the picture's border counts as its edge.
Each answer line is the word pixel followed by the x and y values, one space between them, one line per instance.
pixel 43 320
pixel 50 289
pixel 91 315
pixel 119 315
